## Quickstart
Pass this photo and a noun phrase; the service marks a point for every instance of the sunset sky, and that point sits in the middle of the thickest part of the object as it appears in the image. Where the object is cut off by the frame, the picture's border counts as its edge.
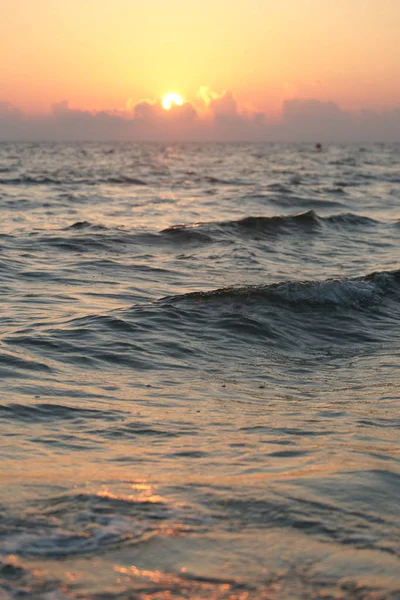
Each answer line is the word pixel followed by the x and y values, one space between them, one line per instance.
pixel 110 55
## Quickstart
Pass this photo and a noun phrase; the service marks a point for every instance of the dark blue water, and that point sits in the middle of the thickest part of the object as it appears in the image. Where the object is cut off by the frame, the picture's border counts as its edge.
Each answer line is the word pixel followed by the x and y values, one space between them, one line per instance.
pixel 200 371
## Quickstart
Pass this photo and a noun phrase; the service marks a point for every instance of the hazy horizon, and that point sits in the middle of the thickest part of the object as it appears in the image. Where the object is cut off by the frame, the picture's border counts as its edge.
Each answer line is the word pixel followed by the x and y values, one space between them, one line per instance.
pixel 301 120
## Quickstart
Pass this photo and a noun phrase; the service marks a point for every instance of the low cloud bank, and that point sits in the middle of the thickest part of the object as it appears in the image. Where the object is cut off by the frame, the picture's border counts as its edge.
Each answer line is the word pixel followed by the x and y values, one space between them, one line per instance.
pixel 218 119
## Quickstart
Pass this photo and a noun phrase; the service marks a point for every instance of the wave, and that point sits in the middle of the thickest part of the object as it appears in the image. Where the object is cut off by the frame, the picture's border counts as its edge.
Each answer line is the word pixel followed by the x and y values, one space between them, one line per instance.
pixel 306 203
pixel 43 412
pixel 14 366
pixel 84 523
pixel 350 219
pixel 16 581
pixel 219 181
pixel 188 331
pixel 73 179
pixel 79 225
pixel 305 222
pixel 340 292
pixel 85 235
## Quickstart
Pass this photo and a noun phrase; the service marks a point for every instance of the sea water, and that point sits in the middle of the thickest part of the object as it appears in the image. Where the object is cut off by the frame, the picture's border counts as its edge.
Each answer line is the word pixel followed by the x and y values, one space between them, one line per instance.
pixel 200 371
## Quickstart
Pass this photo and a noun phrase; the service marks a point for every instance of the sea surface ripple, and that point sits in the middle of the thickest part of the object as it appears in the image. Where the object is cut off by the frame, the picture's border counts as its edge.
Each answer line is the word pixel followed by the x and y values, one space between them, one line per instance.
pixel 200 366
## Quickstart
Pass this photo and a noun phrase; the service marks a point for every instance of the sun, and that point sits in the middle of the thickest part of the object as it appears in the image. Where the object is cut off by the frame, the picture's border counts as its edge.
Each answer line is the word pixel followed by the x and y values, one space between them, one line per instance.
pixel 169 99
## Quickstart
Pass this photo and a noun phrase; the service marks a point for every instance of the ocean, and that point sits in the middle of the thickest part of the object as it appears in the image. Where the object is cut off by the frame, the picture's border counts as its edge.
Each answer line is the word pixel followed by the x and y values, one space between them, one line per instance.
pixel 200 371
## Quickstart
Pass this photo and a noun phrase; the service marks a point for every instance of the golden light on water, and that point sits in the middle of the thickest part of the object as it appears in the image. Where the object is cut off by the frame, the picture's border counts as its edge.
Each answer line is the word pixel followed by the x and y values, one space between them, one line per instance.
pixel 170 100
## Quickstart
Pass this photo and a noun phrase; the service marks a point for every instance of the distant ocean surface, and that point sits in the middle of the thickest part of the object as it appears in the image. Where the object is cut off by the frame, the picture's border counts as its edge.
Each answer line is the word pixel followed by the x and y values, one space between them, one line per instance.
pixel 200 371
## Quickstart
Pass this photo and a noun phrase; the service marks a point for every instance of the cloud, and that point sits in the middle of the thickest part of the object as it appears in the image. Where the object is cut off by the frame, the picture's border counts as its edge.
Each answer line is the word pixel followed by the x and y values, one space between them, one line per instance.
pixel 145 111
pixel 9 112
pixel 76 124
pixel 380 125
pixel 224 106
pixel 154 112
pixel 220 120
pixel 152 122
pixel 206 94
pixel 225 122
pixel 312 111
pixel 310 119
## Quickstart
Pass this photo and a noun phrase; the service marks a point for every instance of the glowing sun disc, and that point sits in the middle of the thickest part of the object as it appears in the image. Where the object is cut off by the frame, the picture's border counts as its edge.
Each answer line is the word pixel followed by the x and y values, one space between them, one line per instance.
pixel 170 99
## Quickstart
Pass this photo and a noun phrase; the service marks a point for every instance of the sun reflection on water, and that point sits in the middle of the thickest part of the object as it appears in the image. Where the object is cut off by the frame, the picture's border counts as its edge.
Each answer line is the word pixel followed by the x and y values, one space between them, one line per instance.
pixel 144 493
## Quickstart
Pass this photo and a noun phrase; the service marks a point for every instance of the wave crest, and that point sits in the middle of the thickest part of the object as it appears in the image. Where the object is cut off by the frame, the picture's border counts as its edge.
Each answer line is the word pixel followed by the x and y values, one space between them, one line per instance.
pixel 340 292
pixel 304 222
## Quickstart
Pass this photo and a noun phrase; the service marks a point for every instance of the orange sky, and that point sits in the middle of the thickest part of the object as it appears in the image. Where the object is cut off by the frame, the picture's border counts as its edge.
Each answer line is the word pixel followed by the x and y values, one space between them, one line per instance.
pixel 98 54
